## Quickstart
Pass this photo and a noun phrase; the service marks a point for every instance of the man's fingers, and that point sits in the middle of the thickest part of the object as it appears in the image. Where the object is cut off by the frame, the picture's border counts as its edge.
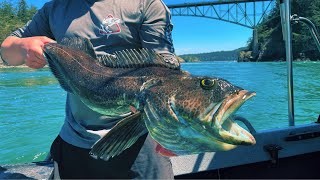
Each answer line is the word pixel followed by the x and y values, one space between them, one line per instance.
pixel 35 60
pixel 46 40
pixel 35 64
pixel 40 58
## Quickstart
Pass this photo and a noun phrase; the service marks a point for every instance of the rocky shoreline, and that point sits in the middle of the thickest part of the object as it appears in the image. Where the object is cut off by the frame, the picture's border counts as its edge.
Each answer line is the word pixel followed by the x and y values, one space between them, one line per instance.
pixel 5 66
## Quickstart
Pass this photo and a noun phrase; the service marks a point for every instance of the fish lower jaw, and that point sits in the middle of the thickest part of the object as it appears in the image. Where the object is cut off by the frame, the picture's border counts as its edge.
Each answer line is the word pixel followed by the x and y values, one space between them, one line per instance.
pixel 243 138
pixel 228 130
pixel 234 134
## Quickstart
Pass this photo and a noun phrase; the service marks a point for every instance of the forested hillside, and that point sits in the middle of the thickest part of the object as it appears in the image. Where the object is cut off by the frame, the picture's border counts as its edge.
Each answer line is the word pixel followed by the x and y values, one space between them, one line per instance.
pixel 270 34
pixel 271 44
pixel 212 56
pixel 13 16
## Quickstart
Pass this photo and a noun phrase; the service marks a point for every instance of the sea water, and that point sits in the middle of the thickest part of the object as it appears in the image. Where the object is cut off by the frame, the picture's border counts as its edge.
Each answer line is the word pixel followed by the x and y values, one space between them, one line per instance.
pixel 32 102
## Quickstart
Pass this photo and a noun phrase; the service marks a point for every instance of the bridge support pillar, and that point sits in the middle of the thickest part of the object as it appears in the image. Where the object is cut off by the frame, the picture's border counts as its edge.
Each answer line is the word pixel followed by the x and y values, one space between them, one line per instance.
pixel 255 45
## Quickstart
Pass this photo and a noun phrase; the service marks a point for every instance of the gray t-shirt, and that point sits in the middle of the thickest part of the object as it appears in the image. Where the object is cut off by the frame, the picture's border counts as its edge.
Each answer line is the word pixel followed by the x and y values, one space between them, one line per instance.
pixel 111 25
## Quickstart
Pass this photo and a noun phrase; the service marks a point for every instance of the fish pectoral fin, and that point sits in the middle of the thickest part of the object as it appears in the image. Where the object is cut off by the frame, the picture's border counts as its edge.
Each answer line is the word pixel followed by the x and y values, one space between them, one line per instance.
pixel 122 136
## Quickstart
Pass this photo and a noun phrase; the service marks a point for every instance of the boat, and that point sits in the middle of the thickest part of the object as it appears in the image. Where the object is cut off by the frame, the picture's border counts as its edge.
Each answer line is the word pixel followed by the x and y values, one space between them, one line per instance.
pixel 290 152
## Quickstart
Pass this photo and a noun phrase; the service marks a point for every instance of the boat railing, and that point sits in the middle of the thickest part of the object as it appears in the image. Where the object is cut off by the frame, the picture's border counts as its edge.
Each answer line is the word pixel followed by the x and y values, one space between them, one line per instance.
pixel 285 14
pixel 313 29
pixel 246 122
pixel 286 20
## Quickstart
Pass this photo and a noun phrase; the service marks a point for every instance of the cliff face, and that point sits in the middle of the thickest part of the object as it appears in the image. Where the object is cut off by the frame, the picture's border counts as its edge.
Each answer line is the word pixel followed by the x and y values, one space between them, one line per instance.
pixel 271 44
pixel 245 56
pixel 272 48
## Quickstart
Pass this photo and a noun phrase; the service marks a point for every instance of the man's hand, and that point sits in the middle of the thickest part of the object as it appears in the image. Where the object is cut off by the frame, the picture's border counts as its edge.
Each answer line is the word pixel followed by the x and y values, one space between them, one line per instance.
pixel 33 51
pixel 17 51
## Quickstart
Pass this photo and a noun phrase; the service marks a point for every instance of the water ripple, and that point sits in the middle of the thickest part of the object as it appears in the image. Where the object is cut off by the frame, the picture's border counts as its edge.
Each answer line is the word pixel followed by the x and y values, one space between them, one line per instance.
pixel 32 103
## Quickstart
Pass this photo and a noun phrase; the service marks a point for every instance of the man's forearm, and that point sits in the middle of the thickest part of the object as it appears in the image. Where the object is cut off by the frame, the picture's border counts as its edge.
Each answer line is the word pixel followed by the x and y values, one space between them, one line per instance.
pixel 16 51
pixel 12 52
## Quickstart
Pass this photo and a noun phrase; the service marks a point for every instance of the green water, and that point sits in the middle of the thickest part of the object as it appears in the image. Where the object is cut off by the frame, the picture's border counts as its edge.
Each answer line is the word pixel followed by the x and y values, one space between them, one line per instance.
pixel 32 103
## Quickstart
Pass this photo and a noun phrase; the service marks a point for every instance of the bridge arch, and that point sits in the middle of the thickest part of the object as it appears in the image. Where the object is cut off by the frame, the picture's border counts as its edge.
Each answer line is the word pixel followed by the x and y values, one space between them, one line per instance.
pixel 246 13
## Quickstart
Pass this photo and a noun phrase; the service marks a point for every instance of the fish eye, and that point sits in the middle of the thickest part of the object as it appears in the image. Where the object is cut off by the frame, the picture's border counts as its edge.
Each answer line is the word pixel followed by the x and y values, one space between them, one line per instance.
pixel 207 84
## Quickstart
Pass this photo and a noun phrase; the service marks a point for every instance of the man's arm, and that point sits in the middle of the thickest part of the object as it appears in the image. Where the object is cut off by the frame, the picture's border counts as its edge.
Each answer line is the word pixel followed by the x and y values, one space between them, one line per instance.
pixel 155 32
pixel 24 46
pixel 16 51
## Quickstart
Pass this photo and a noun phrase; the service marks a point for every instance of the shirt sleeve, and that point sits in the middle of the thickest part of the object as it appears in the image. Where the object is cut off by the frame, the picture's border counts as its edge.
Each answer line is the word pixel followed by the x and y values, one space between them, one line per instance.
pixel 156 28
pixel 38 26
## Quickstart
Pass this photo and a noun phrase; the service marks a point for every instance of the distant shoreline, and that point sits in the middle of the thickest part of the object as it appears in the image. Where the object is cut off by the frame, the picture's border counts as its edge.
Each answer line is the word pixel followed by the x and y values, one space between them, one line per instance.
pixel 5 66
pixel 46 66
pixel 20 66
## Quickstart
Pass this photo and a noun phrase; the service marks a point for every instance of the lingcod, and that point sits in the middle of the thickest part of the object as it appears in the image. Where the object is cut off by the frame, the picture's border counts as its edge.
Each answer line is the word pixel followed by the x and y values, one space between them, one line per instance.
pixel 183 113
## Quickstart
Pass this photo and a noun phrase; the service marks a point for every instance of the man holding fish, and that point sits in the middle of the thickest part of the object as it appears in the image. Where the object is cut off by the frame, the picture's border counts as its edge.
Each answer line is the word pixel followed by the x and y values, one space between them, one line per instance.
pixel 129 105
pixel 111 26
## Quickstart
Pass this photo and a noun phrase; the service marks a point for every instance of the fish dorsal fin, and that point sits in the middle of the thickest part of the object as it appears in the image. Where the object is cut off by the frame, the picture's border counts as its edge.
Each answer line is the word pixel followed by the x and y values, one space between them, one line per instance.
pixel 80 43
pixel 122 136
pixel 136 58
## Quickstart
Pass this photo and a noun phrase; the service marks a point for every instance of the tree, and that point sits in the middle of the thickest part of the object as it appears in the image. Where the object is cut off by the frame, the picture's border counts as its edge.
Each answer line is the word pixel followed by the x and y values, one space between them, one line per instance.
pixel 14 16
pixel 22 10
pixel 31 11
pixel 270 32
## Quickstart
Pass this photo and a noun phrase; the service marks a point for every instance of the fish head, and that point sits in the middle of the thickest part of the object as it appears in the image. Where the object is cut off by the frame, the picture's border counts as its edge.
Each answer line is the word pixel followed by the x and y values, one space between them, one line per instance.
pixel 70 52
pixel 69 63
pixel 213 101
pixel 202 109
pixel 57 53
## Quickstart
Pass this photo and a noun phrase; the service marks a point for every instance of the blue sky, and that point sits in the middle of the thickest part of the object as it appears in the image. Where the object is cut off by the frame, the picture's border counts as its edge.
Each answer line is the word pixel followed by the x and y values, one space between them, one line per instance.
pixel 198 35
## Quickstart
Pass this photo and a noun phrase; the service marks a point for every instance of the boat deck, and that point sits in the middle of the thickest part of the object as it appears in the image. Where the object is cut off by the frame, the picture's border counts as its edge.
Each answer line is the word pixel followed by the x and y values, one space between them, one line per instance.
pixel 302 166
pixel 37 170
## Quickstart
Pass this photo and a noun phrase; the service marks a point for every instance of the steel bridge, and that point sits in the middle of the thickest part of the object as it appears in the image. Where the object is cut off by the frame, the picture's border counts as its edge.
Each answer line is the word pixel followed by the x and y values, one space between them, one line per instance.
pixel 247 13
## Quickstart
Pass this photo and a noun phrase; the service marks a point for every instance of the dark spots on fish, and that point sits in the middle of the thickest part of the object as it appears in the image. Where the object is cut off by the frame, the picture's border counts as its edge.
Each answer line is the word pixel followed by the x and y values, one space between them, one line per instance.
pixel 237 92
pixel 197 104
pixel 187 104
pixel 184 104
pixel 196 113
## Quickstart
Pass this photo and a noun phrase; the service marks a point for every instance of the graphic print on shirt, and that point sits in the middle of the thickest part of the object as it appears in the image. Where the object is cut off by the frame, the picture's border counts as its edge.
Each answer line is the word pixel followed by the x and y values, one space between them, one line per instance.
pixel 110 25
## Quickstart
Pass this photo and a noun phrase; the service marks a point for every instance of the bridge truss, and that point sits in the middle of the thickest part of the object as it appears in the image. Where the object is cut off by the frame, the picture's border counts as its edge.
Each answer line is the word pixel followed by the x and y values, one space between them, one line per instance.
pixel 247 13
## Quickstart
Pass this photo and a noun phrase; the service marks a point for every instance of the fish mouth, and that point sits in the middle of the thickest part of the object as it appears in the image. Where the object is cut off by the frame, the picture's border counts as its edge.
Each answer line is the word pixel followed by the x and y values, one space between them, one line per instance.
pixel 222 122
pixel 46 56
pixel 45 53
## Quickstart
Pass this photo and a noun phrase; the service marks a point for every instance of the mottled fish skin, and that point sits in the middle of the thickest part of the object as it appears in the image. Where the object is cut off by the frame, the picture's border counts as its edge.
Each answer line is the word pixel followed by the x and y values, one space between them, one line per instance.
pixel 185 114
pixel 106 90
